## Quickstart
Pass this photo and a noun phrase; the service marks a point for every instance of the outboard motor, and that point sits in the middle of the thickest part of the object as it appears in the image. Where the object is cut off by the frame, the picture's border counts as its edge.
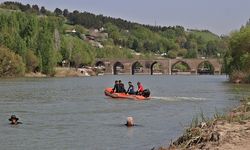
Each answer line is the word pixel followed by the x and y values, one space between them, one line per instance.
pixel 146 93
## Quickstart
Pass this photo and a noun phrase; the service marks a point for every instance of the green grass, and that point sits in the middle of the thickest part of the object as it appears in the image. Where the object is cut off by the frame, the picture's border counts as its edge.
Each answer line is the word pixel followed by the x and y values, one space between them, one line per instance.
pixel 207 35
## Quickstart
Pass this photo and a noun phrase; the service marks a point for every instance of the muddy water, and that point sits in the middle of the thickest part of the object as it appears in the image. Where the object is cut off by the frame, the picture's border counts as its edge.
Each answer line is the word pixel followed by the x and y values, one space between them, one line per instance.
pixel 73 113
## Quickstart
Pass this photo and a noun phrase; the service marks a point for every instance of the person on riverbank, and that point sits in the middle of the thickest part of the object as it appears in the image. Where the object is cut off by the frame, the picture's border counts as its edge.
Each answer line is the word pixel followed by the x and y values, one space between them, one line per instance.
pixel 116 87
pixel 14 120
pixel 130 90
pixel 140 88
pixel 121 87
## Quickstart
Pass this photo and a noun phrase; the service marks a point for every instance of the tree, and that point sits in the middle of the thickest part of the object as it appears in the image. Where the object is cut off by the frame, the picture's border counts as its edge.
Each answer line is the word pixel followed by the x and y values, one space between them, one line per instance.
pixel 32 62
pixel 172 54
pixel 135 45
pixel 240 49
pixel 11 64
pixel 211 48
pixel 191 53
pixel 58 12
pixel 46 48
pixel 248 22
pixel 65 12
pixel 25 8
pixel 35 8
pixel 43 10
pixel 191 44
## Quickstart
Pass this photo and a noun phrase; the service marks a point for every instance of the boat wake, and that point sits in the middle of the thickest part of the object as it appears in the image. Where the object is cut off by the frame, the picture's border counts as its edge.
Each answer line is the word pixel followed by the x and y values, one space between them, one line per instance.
pixel 179 98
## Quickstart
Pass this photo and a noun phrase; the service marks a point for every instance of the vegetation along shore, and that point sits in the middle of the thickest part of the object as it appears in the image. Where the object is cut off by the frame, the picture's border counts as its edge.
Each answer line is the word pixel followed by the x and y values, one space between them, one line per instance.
pixel 39 40
pixel 223 132
pixel 36 42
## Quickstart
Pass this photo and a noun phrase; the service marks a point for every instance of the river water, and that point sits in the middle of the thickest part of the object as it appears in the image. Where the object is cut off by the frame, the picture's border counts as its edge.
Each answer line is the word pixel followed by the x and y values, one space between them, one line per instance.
pixel 73 113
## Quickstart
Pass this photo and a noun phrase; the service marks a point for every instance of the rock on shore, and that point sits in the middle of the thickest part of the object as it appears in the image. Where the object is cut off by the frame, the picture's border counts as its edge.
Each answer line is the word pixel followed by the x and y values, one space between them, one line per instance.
pixel 73 72
pixel 65 72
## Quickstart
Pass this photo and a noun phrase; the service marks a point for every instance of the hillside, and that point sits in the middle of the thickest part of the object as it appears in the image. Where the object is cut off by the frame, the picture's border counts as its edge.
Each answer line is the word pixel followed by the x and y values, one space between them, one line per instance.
pixel 45 39
pixel 207 35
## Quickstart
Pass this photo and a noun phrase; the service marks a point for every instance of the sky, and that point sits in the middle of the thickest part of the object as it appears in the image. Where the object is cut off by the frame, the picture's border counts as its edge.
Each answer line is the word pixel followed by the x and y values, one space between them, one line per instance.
pixel 218 16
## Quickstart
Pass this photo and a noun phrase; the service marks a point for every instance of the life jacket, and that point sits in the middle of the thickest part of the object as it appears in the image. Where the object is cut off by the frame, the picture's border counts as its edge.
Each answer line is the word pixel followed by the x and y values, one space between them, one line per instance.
pixel 131 89
pixel 121 88
pixel 140 88
pixel 116 88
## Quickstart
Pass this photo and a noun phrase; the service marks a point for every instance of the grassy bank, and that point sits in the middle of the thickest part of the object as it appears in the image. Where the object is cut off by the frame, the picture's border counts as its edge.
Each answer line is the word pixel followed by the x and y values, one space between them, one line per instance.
pixel 223 131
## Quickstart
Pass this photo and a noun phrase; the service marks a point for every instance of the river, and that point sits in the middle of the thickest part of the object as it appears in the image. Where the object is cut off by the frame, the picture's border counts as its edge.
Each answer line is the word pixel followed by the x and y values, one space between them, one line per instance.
pixel 73 113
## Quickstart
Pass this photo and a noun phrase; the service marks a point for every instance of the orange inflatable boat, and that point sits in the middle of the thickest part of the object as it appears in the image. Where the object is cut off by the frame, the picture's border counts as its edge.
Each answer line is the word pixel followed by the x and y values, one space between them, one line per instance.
pixel 109 92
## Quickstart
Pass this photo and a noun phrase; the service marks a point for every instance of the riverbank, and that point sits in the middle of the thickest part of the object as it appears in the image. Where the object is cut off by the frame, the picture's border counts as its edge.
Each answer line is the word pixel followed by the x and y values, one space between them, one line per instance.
pixel 73 72
pixel 64 72
pixel 239 77
pixel 223 132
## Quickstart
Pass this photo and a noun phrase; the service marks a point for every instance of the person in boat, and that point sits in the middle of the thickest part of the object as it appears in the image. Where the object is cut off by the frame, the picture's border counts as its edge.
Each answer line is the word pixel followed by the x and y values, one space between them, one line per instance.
pixel 140 89
pixel 116 87
pixel 130 90
pixel 121 87
pixel 14 120
pixel 130 122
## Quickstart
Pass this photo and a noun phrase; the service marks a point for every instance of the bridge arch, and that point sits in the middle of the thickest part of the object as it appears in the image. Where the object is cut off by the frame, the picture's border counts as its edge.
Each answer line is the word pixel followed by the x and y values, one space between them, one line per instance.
pixel 156 67
pixel 180 66
pixel 118 67
pixel 136 67
pixel 205 67
pixel 99 63
pixel 100 67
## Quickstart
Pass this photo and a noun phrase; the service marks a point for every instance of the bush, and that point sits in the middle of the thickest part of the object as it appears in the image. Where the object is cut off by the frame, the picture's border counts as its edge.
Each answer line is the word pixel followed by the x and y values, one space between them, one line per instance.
pixel 32 62
pixel 237 76
pixel 172 54
pixel 11 64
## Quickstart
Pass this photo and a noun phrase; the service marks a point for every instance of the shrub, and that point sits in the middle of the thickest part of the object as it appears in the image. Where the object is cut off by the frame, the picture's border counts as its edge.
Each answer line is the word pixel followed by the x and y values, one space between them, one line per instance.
pixel 11 64
pixel 32 62
pixel 239 76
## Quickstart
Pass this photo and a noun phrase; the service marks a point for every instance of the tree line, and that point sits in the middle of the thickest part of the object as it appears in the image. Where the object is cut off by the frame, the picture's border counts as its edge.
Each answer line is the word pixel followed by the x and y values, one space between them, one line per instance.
pixel 40 42
pixel 38 36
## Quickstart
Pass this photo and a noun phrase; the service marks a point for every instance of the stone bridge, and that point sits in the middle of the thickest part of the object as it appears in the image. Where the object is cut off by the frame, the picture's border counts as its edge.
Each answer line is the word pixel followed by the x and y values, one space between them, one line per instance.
pixel 157 66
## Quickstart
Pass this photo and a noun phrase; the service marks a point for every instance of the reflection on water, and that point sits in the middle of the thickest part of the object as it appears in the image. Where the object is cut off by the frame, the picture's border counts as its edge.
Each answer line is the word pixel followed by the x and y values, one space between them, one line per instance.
pixel 73 113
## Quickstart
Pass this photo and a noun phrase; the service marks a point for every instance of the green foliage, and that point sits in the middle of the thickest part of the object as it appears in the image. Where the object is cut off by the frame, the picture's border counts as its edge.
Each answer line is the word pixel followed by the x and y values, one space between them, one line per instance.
pixel 191 53
pixel 182 52
pixel 43 38
pixel 58 12
pixel 21 31
pixel 238 59
pixel 240 49
pixel 172 54
pixel 32 62
pixel 45 48
pixel 10 63
pixel 181 67
pixel 205 35
pixel 77 51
